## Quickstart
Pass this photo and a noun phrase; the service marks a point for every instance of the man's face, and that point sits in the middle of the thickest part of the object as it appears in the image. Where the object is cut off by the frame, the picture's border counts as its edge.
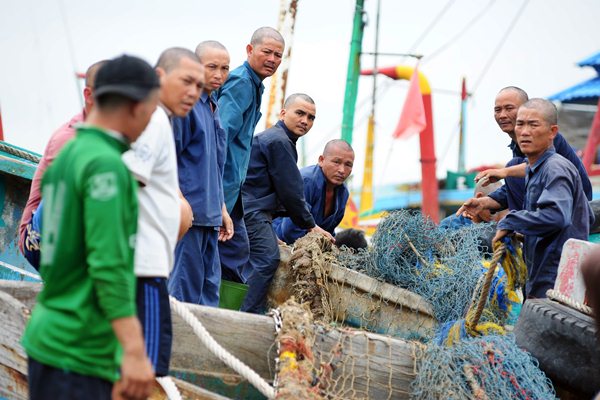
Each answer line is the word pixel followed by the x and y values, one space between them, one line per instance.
pixel 337 164
pixel 140 116
pixel 299 117
pixel 264 58
pixel 505 110
pixel 181 87
pixel 534 134
pixel 216 68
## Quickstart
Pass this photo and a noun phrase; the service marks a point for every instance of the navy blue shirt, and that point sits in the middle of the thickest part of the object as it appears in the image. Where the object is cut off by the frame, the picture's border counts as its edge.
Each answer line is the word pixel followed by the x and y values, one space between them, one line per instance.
pixel 555 209
pixel 273 182
pixel 314 194
pixel 200 144
pixel 516 189
pixel 239 109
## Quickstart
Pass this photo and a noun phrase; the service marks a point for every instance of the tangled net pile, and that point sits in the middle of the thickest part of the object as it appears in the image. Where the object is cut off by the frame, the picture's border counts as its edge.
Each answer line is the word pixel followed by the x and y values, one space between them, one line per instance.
pixel 492 367
pixel 411 252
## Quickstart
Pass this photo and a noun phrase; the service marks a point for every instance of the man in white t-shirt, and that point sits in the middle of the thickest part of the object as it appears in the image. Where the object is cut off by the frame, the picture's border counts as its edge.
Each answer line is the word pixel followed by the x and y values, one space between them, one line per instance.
pixel 163 214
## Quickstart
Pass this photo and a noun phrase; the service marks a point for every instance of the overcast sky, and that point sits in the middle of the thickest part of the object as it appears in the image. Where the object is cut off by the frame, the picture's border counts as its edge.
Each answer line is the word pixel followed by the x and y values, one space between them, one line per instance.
pixel 44 42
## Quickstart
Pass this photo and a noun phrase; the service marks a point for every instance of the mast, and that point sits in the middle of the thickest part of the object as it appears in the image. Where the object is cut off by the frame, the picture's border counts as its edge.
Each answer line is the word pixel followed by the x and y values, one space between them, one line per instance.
pixel 463 127
pixel 366 195
pixel 353 70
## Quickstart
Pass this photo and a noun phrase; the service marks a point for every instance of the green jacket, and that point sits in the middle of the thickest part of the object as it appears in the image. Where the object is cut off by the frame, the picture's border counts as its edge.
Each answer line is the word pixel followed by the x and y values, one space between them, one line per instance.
pixel 89 226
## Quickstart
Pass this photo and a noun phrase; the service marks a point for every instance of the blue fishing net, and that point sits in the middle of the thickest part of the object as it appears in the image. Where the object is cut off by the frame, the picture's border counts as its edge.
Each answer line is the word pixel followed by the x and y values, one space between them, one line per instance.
pixel 491 367
pixel 411 251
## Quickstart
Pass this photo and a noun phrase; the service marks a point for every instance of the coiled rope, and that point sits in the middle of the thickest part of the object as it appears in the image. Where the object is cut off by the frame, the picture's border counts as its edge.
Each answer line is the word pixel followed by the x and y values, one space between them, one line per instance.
pixel 231 361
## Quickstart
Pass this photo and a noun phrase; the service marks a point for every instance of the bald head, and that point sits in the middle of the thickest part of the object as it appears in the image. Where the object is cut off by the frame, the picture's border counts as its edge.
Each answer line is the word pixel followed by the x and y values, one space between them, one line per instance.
pixel 521 94
pixel 170 58
pixel 486 190
pixel 90 74
pixel 337 145
pixel 293 97
pixel 546 108
pixel 207 45
pixel 266 32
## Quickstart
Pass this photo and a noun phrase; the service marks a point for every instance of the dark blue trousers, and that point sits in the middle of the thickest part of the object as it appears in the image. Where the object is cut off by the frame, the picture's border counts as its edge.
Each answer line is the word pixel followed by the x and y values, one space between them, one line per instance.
pixel 49 383
pixel 196 277
pixel 234 253
pixel 263 262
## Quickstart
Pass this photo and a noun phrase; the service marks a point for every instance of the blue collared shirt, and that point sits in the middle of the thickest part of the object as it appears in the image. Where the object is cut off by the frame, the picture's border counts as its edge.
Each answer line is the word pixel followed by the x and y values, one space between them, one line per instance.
pixel 274 184
pixel 314 193
pixel 515 187
pixel 555 209
pixel 239 108
pixel 200 143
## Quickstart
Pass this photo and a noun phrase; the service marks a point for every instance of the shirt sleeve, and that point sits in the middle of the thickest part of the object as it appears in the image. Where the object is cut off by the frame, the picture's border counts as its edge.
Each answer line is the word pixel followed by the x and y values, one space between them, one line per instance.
pixel 182 132
pixel 235 98
pixel 501 196
pixel 288 183
pixel 146 152
pixel 107 202
pixel 553 210
pixel 563 148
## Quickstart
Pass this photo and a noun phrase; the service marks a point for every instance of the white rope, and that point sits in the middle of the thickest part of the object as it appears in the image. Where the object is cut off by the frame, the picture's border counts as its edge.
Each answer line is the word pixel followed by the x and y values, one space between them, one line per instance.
pixel 169 387
pixel 223 355
pixel 569 302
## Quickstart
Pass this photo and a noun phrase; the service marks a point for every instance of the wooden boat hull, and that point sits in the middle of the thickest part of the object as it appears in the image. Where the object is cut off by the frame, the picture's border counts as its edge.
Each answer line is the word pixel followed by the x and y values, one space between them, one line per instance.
pixel 380 366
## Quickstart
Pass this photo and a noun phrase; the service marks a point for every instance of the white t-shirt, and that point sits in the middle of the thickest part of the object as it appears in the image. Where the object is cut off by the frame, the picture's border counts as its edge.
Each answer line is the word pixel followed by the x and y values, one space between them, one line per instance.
pixel 153 162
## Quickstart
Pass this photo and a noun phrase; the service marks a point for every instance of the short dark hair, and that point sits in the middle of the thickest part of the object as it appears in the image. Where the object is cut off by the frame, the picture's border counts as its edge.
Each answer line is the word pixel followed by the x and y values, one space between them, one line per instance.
pixel 171 57
pixel 351 238
pixel 112 101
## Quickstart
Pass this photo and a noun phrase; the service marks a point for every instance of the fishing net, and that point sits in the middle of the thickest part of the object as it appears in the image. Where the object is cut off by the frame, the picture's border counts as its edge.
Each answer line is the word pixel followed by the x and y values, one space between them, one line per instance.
pixel 415 284
pixel 492 367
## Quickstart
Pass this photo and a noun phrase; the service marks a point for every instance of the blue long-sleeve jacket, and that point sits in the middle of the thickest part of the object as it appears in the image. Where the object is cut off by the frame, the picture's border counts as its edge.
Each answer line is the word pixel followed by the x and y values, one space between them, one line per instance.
pixel 314 194
pixel 556 209
pixel 274 184
pixel 200 143
pixel 239 108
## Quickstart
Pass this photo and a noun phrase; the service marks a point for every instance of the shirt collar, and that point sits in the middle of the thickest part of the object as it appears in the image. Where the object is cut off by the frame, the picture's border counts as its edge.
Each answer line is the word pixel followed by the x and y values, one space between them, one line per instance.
pixel 257 81
pixel 547 154
pixel 290 134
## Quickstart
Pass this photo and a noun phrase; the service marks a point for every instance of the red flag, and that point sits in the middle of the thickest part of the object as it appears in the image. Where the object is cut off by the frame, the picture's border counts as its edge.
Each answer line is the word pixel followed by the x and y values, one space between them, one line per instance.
pixel 412 119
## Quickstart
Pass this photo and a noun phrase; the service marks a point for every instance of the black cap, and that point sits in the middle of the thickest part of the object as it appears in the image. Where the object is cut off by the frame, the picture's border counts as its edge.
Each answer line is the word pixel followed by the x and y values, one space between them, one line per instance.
pixel 128 76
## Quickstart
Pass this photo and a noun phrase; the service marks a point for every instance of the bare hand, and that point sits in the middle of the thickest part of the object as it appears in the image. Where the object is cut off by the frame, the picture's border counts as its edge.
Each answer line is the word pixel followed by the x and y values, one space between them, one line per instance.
pixel 226 230
pixel 490 176
pixel 323 232
pixel 137 378
pixel 187 217
pixel 500 233
pixel 471 208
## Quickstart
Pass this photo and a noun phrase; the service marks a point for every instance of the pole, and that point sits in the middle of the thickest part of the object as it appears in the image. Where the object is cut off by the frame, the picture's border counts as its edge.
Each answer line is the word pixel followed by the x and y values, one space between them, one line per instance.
pixel 1 128
pixel 353 70
pixel 463 127
pixel 366 194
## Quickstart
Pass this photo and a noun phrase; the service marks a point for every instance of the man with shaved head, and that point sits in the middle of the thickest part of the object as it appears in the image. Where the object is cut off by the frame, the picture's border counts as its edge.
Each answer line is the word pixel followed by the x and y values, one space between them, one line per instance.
pixel 507 102
pixel 324 191
pixel 163 213
pixel 201 143
pixel 555 206
pixel 274 187
pixel 239 109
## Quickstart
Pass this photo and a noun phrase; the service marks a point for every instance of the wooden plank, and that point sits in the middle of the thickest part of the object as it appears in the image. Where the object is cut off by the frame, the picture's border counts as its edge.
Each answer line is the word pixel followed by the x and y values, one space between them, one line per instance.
pixel 365 364
pixel 13 360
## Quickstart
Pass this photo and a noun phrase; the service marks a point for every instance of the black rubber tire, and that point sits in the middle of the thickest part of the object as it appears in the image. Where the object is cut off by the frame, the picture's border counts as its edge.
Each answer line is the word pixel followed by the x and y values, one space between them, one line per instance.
pixel 595 206
pixel 564 342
